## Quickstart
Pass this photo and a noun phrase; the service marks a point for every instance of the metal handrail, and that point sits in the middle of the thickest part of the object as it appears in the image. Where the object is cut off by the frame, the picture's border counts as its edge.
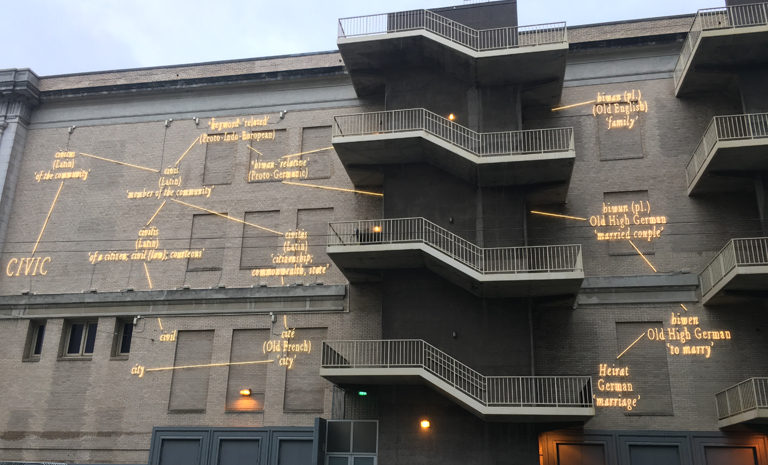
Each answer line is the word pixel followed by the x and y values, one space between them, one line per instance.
pixel 725 128
pixel 499 391
pixel 728 17
pixel 535 259
pixel 737 252
pixel 479 144
pixel 477 40
pixel 751 394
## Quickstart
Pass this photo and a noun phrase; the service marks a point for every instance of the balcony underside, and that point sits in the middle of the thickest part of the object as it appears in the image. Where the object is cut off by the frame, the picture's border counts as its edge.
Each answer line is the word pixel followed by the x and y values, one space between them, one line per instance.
pixel 758 415
pixel 539 69
pixel 362 263
pixel 416 376
pixel 720 54
pixel 363 156
pixel 743 283
pixel 729 164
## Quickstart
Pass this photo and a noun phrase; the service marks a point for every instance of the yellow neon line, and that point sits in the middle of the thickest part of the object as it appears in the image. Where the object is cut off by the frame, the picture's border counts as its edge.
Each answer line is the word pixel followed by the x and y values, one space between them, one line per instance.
pixel 684 307
pixel 304 153
pixel 228 217
pixel 47 217
pixel 285 321
pixel 559 216
pixel 630 346
pixel 121 163
pixel 209 365
pixel 185 153
pixel 646 260
pixel 334 189
pixel 160 323
pixel 255 150
pixel 158 211
pixel 574 105
pixel 148 278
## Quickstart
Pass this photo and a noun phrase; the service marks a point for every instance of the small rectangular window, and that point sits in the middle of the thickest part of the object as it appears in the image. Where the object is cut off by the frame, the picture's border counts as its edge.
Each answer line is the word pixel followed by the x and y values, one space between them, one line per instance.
pixel 81 338
pixel 126 334
pixel 37 347
pixel 35 338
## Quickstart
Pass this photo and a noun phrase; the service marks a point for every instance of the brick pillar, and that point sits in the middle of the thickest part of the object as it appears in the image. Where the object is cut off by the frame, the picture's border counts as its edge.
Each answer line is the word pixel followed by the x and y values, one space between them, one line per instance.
pixel 18 96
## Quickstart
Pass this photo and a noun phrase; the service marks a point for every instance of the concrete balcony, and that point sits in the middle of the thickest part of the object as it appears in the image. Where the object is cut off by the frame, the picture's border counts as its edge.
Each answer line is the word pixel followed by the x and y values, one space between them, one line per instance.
pixel 721 41
pixel 539 157
pixel 362 248
pixel 533 56
pixel 732 148
pixel 747 402
pixel 738 272
pixel 492 398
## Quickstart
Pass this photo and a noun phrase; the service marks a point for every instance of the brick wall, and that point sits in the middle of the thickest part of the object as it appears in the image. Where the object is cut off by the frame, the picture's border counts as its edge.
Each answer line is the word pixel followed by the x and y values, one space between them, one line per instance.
pixel 96 411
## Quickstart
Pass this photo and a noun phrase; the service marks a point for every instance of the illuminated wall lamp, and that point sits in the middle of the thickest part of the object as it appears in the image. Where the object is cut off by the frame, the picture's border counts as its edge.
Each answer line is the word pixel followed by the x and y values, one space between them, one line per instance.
pixel 451 117
pixel 425 424
pixel 245 392
pixel 377 229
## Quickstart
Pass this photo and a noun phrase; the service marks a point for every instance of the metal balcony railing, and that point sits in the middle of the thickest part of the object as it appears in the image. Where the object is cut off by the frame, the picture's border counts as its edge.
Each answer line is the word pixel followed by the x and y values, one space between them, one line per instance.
pixel 728 17
pixel 477 40
pixel 480 144
pixel 490 391
pixel 737 252
pixel 536 259
pixel 751 394
pixel 726 128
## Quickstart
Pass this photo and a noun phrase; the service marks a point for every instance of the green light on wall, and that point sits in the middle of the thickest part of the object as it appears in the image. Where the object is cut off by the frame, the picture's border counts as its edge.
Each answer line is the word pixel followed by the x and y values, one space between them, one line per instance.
pixel 362 393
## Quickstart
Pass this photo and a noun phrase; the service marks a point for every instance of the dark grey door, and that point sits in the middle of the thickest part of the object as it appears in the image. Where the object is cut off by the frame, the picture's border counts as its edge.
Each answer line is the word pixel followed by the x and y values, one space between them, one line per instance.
pixel 294 452
pixel 180 452
pixel 730 455
pixel 239 452
pixel 654 455
pixel 580 454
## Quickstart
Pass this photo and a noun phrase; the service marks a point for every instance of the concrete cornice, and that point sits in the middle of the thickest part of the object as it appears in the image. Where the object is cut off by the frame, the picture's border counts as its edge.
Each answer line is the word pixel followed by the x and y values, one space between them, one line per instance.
pixel 184 84
pixel 173 297
pixel 19 84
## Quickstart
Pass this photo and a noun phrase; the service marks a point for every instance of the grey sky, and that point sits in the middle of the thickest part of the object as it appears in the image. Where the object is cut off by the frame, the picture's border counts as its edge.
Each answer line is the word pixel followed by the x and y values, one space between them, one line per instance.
pixel 71 36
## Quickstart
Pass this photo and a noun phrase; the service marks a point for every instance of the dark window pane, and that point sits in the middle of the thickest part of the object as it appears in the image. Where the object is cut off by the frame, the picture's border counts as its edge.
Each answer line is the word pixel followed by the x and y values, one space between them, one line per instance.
pixel 75 338
pixel 90 338
pixel 364 437
pixel 39 340
pixel 125 343
pixel 338 460
pixel 339 436
pixel 363 461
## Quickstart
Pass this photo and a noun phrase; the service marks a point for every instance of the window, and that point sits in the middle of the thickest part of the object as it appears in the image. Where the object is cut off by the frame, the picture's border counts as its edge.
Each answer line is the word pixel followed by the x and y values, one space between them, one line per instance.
pixel 35 339
pixel 124 336
pixel 351 442
pixel 80 338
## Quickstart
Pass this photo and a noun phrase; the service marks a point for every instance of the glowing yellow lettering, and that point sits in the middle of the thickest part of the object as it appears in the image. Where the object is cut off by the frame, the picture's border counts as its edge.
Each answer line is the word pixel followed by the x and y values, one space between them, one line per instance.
pixel 27 266
pixel 8 268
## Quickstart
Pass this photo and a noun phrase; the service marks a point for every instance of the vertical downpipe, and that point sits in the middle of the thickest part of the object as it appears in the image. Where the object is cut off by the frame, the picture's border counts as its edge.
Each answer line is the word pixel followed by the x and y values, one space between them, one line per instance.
pixel 479 220
pixel 530 301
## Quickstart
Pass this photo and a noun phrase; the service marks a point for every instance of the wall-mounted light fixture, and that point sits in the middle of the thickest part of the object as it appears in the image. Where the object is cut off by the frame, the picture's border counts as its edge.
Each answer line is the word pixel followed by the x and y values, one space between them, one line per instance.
pixel 245 392
pixel 425 424
pixel 377 229
pixel 451 117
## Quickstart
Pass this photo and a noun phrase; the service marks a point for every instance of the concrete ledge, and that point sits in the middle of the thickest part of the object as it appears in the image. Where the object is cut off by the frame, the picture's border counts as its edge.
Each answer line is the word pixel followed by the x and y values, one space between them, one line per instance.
pixel 417 375
pixel 608 290
pixel 759 415
pixel 179 302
